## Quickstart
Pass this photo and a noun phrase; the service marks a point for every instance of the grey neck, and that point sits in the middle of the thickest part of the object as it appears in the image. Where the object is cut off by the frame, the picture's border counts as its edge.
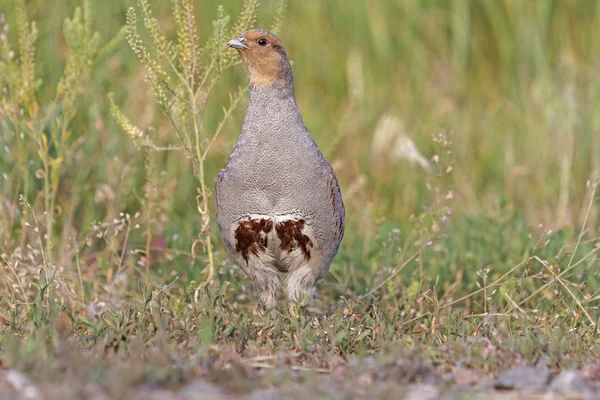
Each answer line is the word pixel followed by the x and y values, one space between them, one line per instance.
pixel 273 120
pixel 271 111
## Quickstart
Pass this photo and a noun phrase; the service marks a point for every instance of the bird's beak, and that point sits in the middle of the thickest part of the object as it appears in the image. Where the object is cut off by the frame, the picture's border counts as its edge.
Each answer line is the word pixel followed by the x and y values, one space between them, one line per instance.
pixel 237 43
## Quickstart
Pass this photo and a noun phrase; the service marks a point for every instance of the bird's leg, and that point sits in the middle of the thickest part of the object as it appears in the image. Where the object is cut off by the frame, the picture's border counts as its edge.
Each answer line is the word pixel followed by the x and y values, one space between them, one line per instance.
pixel 266 281
pixel 299 283
pixel 267 295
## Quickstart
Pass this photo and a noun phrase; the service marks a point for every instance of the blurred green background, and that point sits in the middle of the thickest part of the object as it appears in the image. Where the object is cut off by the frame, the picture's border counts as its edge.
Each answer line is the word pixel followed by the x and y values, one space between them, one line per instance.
pixel 516 82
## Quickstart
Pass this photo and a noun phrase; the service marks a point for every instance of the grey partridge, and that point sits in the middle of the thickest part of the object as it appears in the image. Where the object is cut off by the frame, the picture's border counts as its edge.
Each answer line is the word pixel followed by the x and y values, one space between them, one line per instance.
pixel 278 202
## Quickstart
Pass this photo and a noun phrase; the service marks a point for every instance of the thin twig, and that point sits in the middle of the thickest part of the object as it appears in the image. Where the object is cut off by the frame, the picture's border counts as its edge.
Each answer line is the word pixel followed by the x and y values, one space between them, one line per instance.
pixel 495 283
pixel 398 268
pixel 560 275
pixel 515 305
pixel 293 367
pixel 487 315
pixel 18 279
pixel 79 270
pixel 416 318
pixel 560 280
pixel 226 115
pixel 587 214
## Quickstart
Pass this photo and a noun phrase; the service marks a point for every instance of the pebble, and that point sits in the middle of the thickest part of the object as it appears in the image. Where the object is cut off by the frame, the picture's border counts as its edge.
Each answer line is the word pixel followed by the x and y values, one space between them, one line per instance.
pixel 591 372
pixel 15 382
pixel 201 390
pixel 426 392
pixel 463 376
pixel 570 382
pixel 523 378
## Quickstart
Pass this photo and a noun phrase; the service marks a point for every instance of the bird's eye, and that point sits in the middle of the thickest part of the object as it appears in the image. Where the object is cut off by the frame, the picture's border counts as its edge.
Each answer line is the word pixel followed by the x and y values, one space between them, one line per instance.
pixel 262 41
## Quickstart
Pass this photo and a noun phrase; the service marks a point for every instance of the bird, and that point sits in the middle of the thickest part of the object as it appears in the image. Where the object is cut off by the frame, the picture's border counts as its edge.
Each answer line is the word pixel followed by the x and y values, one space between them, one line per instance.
pixel 278 201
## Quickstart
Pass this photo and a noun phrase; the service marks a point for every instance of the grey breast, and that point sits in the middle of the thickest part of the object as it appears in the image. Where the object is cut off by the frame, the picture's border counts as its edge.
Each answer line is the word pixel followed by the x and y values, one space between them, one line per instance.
pixel 277 169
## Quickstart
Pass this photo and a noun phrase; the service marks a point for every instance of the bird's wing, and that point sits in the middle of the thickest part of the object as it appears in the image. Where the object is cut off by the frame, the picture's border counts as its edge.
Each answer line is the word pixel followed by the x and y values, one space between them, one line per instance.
pixel 221 216
pixel 337 204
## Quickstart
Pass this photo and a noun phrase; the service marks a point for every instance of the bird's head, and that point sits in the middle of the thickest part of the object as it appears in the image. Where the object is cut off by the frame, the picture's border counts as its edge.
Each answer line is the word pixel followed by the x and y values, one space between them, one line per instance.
pixel 264 56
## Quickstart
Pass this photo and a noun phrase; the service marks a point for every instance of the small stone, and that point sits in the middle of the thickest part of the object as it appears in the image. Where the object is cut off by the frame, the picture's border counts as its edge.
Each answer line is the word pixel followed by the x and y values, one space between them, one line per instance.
pixel 425 392
pixel 463 376
pixel 592 396
pixel 365 379
pixel 146 393
pixel 17 383
pixel 591 372
pixel 523 378
pixel 264 394
pixel 570 382
pixel 339 372
pixel 94 391
pixel 197 389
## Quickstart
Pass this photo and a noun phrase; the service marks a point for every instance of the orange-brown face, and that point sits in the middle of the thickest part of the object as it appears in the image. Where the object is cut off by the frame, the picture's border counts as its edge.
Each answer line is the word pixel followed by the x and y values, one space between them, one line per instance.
pixel 262 53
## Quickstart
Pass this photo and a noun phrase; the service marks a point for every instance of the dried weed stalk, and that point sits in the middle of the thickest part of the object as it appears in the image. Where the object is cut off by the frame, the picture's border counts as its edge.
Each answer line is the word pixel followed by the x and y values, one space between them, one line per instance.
pixel 41 138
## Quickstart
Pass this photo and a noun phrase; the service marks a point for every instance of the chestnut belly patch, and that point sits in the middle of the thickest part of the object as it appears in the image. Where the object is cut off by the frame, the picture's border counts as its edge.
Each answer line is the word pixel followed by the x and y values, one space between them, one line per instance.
pixel 292 237
pixel 252 237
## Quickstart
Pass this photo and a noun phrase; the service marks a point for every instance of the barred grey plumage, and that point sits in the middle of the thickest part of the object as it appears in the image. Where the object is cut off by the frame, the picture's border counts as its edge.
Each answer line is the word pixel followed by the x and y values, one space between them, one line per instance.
pixel 278 202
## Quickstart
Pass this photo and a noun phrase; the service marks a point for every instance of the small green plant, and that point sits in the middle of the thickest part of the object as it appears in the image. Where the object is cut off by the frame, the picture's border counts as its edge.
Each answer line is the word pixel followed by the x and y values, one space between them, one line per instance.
pixel 41 139
pixel 428 224
pixel 181 75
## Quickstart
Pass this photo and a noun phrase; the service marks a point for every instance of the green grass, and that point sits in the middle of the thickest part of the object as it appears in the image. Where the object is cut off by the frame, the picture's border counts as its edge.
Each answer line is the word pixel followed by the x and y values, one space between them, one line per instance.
pixel 498 239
